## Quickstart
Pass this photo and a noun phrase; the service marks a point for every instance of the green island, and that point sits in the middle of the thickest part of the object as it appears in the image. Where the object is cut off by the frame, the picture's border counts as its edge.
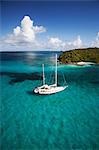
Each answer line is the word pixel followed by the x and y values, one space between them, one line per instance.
pixel 80 55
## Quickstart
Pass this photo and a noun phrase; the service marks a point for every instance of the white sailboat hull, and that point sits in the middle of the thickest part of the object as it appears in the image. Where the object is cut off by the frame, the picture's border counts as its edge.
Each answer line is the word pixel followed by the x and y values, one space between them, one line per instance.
pixel 51 89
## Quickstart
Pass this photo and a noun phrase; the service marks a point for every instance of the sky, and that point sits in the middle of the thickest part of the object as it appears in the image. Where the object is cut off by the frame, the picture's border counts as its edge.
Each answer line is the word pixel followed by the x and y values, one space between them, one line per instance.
pixel 44 25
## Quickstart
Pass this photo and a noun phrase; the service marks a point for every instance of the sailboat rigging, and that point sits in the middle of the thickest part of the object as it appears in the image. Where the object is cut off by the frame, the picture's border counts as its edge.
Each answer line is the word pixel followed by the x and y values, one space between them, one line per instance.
pixel 46 89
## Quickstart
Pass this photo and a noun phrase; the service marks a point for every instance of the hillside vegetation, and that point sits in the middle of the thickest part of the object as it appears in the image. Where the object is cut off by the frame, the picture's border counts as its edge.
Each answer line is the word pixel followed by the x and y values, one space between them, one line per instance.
pixel 77 55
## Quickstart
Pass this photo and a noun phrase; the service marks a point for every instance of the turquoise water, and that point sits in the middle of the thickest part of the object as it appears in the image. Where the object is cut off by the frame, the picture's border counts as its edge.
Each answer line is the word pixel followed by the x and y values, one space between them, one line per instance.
pixel 68 120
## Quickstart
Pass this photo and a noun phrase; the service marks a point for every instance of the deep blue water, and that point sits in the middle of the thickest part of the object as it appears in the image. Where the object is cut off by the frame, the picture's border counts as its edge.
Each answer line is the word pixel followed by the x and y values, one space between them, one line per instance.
pixel 68 120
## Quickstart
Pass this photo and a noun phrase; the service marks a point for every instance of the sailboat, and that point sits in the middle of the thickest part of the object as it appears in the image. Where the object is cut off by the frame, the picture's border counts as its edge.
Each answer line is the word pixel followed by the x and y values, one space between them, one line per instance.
pixel 46 89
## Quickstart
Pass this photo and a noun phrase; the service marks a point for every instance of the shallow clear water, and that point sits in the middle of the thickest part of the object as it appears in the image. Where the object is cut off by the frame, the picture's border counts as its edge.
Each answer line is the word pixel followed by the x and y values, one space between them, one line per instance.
pixel 68 120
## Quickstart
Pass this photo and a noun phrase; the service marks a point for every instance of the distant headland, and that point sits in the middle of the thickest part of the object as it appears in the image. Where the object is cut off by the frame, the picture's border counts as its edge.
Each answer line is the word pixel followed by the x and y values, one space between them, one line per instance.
pixel 80 56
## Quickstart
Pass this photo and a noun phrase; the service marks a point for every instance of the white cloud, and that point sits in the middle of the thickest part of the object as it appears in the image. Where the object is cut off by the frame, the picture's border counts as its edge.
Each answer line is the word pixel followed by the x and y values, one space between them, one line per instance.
pixel 95 43
pixel 56 43
pixel 25 36
pixel 25 33
pixel 39 29
pixel 78 42
pixel 16 31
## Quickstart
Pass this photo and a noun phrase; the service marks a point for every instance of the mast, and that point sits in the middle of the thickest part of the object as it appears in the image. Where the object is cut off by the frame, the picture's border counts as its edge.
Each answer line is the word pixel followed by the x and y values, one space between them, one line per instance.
pixel 56 71
pixel 43 74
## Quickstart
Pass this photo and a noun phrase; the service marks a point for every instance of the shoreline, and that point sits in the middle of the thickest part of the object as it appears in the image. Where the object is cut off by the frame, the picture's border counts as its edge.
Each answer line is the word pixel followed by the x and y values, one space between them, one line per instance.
pixel 80 63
